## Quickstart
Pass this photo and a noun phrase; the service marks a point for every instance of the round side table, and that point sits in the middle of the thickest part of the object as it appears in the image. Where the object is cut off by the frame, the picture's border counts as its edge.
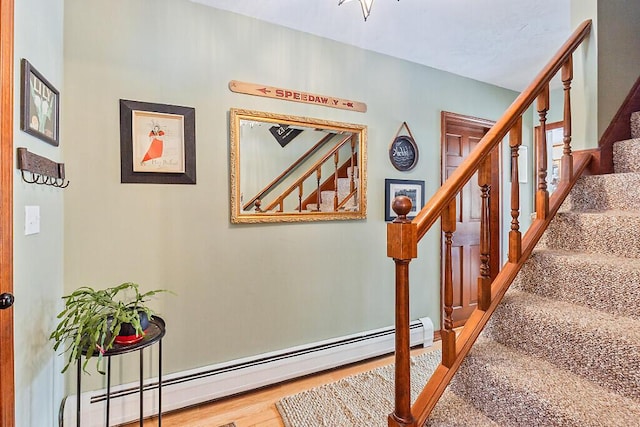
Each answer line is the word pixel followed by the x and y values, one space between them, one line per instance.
pixel 153 335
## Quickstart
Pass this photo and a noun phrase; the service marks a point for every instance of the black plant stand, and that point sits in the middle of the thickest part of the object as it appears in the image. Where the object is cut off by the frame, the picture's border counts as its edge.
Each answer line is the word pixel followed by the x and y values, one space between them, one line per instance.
pixel 154 334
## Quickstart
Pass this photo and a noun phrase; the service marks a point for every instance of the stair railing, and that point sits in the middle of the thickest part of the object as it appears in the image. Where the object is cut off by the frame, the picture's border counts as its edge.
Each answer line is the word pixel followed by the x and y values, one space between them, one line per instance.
pixel 403 234
pixel 299 183
pixel 285 173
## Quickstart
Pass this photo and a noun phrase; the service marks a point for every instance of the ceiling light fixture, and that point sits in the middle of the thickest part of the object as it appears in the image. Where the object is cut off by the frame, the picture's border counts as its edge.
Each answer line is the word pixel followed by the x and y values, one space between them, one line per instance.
pixel 366 6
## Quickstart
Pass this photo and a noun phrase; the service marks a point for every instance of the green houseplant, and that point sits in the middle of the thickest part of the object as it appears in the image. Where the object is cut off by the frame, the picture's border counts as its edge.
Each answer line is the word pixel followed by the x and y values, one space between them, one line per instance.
pixel 92 319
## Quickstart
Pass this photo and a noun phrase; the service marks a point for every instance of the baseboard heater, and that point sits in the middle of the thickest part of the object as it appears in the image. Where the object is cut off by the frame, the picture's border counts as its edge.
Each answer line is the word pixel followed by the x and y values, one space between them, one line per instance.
pixel 196 386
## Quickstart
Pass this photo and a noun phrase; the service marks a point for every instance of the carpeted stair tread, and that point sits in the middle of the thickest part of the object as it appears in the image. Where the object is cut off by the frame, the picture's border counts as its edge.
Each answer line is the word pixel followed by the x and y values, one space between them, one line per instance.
pixel 514 389
pixel 605 192
pixel 626 155
pixel 612 232
pixel 602 282
pixel 586 342
pixel 454 411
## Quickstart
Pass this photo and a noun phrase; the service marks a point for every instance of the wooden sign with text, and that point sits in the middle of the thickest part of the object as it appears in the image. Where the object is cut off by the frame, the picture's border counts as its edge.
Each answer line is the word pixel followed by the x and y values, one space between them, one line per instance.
pixel 296 96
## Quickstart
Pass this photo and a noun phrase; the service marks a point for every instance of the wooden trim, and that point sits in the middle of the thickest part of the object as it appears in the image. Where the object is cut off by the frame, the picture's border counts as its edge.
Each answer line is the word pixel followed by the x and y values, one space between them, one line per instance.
pixel 618 129
pixel 7 391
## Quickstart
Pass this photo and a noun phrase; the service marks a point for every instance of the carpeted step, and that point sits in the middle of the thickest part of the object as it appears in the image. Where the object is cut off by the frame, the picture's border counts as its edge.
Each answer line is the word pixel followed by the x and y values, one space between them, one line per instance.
pixel 591 343
pixel 605 192
pixel 635 124
pixel 601 282
pixel 454 411
pixel 518 390
pixel 626 156
pixel 607 232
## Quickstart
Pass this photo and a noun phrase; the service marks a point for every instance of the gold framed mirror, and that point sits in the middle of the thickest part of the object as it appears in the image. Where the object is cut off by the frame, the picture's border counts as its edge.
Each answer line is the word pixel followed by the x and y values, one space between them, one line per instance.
pixel 290 169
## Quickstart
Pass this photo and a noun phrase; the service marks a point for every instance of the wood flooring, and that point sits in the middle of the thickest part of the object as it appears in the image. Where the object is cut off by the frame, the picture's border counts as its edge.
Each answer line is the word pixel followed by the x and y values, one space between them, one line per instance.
pixel 257 408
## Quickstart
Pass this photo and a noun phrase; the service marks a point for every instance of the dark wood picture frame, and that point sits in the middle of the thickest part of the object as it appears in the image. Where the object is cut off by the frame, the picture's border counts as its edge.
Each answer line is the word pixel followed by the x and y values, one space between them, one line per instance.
pixel 413 189
pixel 157 143
pixel 39 105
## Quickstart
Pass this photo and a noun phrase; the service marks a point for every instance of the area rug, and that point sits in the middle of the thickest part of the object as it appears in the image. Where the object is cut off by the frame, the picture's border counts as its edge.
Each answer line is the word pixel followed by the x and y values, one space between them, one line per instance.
pixel 364 399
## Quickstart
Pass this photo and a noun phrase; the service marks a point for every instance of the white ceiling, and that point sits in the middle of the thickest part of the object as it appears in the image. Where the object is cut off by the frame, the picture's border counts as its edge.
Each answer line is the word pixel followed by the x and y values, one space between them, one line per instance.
pixel 502 42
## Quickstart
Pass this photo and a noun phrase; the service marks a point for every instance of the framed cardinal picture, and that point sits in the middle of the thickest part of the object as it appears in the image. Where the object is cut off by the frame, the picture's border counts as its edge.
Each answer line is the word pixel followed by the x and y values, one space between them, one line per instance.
pixel 157 143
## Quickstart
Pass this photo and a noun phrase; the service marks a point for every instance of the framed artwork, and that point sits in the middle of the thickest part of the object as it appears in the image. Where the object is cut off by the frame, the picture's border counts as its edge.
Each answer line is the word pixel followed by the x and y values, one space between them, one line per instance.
pixel 403 187
pixel 157 143
pixel 39 105
pixel 403 151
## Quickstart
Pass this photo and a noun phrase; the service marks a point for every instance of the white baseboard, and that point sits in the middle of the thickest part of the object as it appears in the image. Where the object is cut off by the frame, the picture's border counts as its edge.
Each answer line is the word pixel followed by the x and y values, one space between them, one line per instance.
pixel 187 388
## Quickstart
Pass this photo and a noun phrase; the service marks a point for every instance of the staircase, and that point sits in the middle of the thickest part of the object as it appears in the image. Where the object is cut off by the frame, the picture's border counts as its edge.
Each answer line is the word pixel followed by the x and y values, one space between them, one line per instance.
pixel 563 347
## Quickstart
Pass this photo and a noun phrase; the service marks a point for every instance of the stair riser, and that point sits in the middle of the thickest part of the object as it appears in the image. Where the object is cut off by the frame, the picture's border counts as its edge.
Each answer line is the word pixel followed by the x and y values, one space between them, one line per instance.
pixel 635 125
pixel 605 192
pixel 626 156
pixel 611 234
pixel 598 354
pixel 588 282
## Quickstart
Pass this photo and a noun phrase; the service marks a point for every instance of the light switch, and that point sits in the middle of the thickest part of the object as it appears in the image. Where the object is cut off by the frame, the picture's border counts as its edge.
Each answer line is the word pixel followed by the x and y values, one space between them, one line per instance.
pixel 31 220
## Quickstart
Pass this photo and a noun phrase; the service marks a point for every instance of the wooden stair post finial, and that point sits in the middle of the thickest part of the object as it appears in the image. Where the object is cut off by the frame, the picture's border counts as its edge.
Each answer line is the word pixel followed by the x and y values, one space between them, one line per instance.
pixel 402 246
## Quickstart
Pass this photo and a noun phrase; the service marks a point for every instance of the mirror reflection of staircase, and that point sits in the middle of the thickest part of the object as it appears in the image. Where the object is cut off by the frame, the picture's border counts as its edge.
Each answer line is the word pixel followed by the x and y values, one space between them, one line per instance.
pixel 563 347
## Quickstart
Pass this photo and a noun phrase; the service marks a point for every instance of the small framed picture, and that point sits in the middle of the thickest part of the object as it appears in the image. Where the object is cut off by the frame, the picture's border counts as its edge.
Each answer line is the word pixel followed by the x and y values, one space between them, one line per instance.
pixel 413 189
pixel 157 143
pixel 39 105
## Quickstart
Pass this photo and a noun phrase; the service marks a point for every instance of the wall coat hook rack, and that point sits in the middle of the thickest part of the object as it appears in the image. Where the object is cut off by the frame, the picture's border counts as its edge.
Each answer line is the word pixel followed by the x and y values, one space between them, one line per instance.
pixel 43 171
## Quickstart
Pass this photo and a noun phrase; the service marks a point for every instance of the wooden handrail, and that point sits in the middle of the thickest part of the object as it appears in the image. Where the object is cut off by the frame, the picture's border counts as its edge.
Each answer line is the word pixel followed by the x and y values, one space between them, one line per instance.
pixel 403 235
pixel 280 199
pixel 431 212
pixel 285 173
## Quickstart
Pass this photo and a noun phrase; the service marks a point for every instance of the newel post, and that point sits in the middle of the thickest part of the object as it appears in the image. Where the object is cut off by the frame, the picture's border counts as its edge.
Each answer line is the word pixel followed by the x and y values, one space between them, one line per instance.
pixel 402 246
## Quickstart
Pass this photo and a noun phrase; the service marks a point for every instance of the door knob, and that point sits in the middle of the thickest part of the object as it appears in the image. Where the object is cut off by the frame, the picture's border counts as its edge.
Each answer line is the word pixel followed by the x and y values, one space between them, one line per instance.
pixel 6 301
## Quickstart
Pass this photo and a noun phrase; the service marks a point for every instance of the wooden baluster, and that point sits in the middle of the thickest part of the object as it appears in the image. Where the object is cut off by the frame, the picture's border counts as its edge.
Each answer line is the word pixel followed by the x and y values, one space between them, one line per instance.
pixel 402 246
pixel 515 237
pixel 448 335
pixel 300 191
pixel 335 180
pixel 484 281
pixel 352 183
pixel 318 192
pixel 566 166
pixel 542 195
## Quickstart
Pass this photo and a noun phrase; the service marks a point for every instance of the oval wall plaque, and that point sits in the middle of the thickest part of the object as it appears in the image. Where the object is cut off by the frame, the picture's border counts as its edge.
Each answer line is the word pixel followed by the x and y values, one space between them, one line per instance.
pixel 403 153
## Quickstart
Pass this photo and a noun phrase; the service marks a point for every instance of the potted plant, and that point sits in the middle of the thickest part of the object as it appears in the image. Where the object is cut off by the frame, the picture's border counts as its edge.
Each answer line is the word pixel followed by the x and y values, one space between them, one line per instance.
pixel 92 320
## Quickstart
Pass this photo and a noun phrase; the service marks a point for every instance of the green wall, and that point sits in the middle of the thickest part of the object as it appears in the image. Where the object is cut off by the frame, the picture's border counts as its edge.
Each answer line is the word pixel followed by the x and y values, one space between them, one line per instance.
pixel 618 56
pixel 38 258
pixel 241 290
pixel 606 66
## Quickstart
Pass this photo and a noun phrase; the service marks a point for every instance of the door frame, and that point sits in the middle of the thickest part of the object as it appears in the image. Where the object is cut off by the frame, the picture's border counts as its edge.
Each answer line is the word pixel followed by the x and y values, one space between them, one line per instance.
pixel 7 386
pixel 495 202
